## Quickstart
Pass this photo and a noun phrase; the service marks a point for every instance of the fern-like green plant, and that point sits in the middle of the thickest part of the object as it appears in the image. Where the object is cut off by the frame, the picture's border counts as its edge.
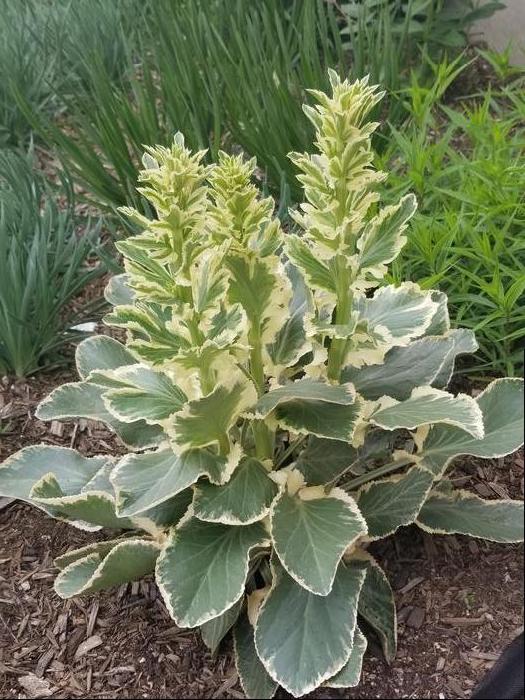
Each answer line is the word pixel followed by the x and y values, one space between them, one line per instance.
pixel 282 410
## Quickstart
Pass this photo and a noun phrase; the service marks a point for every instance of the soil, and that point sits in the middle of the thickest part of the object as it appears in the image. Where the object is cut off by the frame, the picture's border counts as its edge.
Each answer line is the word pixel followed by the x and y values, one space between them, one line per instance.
pixel 459 600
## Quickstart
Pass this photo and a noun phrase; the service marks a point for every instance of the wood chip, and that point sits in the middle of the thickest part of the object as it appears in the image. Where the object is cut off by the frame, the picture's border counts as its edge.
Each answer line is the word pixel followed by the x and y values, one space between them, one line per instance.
pixel 464 621
pixel 92 618
pixel 88 645
pixel 36 687
pixel 411 584
pixel 440 665
pixel 499 490
pixel 43 662
pixel 57 428
pixel 483 490
pixel 416 618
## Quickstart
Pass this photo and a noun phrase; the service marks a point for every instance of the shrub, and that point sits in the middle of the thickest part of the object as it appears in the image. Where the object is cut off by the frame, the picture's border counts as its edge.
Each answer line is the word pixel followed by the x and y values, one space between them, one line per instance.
pixel 274 49
pixel 467 235
pixel 26 62
pixel 44 265
pixel 281 415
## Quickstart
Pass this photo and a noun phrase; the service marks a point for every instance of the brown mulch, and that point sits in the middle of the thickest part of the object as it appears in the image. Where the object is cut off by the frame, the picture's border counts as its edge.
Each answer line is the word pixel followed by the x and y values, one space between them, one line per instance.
pixel 459 600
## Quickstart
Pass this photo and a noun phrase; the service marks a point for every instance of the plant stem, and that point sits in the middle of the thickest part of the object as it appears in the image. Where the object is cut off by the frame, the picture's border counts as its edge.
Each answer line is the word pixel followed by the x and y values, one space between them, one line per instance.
pixel 224 445
pixel 263 436
pixel 289 450
pixel 336 353
pixel 371 475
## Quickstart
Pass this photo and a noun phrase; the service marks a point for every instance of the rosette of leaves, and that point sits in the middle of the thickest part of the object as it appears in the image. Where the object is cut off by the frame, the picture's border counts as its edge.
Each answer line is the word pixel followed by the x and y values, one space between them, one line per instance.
pixel 282 406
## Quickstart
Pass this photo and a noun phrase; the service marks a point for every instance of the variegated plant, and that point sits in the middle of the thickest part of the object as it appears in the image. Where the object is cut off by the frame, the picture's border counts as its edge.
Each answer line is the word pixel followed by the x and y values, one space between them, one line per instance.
pixel 283 408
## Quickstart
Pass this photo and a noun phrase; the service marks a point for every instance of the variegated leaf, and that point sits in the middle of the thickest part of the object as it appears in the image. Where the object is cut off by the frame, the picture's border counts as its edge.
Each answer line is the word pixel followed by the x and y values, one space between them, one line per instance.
pixel 315 272
pixel 428 405
pixel 350 674
pixel 262 289
pixel 290 340
pixel 254 679
pixel 144 394
pixel 203 568
pixel 100 548
pixel 440 324
pixel 101 352
pixel 302 638
pixel 22 470
pixel 214 631
pixel 244 499
pixel 207 420
pixel 324 460
pixel 142 481
pixel 127 561
pixel 383 236
pixel 388 504
pixel 118 292
pixel 462 512
pixel 311 406
pixel 84 400
pixel 310 533
pixel 404 312
pixel 404 368
pixel 74 400
pixel 501 405
pixel 377 606
pixel 463 343
pixel 92 507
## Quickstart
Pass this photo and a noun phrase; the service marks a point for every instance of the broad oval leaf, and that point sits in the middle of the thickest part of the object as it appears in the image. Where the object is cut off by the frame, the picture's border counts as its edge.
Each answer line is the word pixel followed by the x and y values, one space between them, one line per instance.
pixel 405 311
pixel 501 405
pixel 244 499
pixel 92 507
pixel 463 343
pixel 118 292
pixel 323 460
pixel 390 503
pixel 85 400
pixel 146 394
pixel 21 471
pixel 142 481
pixel 254 679
pixel 129 560
pixel 74 400
pixel 101 548
pixel 428 405
pixel 377 606
pixel 311 406
pixel 101 352
pixel 203 568
pixel 403 369
pixel 302 638
pixel 310 536
pixel 214 631
pixel 350 674
pixel 500 520
pixel 207 420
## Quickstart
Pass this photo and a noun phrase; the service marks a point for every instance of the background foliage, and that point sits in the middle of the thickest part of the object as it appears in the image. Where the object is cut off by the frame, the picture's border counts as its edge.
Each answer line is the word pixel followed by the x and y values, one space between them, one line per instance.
pixel 92 81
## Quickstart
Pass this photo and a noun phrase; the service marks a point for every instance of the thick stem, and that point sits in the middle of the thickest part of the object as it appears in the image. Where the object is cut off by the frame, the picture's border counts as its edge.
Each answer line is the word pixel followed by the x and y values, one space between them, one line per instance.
pixel 380 471
pixel 336 353
pixel 263 436
pixel 224 445
pixel 289 450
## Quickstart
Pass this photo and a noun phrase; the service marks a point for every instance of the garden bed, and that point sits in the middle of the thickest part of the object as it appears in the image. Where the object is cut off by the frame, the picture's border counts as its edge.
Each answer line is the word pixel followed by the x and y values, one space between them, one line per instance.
pixel 459 601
